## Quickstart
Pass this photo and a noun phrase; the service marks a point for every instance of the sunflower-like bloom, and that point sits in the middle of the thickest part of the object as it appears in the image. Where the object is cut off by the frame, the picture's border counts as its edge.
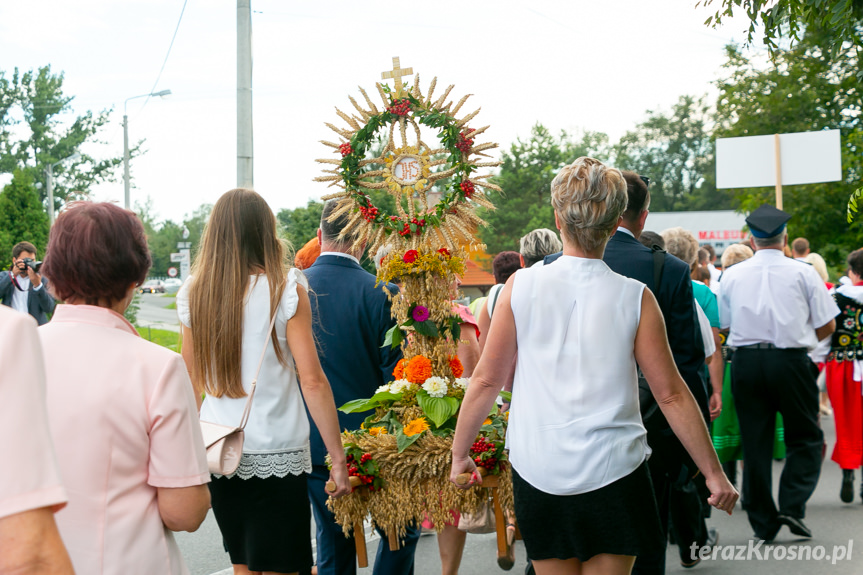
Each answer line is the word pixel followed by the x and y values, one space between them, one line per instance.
pixel 416 426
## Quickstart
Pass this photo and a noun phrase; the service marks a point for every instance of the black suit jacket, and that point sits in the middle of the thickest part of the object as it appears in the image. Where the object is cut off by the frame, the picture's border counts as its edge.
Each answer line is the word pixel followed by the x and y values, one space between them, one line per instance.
pixel 351 317
pixel 625 255
pixel 39 302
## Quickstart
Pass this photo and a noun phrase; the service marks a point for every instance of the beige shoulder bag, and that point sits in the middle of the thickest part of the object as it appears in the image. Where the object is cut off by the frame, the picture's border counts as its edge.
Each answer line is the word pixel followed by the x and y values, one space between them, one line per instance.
pixel 225 443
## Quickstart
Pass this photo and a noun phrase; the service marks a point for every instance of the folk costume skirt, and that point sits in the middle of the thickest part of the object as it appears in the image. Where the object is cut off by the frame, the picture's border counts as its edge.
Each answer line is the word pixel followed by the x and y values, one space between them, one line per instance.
pixel 265 522
pixel 621 519
pixel 847 401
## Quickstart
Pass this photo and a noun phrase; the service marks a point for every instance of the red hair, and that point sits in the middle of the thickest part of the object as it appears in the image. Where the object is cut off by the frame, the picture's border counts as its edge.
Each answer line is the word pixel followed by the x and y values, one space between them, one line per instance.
pixel 307 254
pixel 95 252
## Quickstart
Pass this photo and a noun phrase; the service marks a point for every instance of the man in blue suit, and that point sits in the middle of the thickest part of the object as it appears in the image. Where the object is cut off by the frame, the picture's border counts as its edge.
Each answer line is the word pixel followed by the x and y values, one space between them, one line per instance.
pixel 625 255
pixel 351 318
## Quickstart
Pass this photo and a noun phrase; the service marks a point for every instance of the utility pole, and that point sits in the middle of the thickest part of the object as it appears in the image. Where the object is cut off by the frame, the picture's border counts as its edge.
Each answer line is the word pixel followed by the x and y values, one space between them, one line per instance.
pixel 126 157
pixel 245 151
pixel 50 172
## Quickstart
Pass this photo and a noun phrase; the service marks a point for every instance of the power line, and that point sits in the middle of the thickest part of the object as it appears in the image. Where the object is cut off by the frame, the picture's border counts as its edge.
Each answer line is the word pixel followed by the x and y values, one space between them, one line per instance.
pixel 174 37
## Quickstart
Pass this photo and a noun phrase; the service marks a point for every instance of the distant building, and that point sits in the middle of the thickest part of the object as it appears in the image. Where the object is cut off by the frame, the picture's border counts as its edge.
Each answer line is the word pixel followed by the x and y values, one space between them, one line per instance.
pixel 476 281
pixel 719 228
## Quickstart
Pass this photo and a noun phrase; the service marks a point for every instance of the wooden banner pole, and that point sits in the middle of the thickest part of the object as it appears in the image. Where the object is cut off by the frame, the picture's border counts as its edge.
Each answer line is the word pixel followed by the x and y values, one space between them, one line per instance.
pixel 778 172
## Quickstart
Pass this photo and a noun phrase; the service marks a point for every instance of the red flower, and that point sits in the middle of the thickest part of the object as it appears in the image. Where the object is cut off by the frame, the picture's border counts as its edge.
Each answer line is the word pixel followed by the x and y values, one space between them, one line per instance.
pixel 444 252
pixel 410 256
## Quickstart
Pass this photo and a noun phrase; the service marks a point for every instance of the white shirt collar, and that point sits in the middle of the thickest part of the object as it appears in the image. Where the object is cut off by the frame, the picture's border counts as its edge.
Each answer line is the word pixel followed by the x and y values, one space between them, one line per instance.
pixel 341 255
pixel 626 231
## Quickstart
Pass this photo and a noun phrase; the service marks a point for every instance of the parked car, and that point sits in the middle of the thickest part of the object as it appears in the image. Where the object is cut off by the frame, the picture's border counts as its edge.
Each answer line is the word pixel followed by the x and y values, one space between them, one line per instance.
pixel 152 286
pixel 172 285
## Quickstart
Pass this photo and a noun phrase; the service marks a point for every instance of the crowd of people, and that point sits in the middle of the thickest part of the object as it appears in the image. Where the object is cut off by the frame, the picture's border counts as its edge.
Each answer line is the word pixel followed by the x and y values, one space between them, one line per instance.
pixel 640 372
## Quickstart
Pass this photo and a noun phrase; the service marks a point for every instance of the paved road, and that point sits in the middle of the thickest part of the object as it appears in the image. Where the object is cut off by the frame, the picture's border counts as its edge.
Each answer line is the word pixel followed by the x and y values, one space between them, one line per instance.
pixel 153 312
pixel 833 523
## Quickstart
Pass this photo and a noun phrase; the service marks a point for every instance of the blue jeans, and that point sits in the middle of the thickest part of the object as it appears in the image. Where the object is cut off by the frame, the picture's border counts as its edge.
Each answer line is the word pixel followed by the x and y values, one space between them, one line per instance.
pixel 337 554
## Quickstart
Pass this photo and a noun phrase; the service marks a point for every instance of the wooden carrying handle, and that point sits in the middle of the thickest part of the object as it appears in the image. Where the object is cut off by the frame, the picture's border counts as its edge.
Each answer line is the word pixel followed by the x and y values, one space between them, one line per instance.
pixel 354 480
pixel 464 478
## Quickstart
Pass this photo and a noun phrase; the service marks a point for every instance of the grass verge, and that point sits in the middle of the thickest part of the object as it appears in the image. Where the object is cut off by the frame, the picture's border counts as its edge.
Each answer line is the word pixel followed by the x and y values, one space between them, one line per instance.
pixel 163 337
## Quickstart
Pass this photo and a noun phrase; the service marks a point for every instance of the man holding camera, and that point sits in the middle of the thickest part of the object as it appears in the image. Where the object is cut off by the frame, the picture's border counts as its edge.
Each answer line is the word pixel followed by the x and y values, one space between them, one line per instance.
pixel 22 288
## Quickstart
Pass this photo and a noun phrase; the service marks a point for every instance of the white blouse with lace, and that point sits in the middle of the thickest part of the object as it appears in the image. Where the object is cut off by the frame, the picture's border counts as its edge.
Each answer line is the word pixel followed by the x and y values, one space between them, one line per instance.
pixel 277 433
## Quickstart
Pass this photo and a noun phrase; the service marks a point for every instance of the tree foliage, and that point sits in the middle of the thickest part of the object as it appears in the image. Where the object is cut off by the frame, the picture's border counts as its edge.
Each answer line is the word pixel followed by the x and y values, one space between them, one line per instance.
pixel 528 168
pixel 806 89
pixel 163 236
pixel 22 218
pixel 840 21
pixel 37 129
pixel 676 151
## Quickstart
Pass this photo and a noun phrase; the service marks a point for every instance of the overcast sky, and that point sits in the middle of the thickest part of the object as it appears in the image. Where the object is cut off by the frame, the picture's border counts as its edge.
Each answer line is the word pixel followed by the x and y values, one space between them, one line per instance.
pixel 595 65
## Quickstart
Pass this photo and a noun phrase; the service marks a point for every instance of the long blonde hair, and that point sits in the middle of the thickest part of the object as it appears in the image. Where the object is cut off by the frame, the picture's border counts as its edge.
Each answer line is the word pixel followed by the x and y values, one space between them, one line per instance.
pixel 240 239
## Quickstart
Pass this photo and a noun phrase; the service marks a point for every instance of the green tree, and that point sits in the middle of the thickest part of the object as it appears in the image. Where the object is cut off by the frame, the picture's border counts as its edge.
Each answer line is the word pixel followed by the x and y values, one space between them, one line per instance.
pixel 675 150
pixel 37 129
pixel 840 22
pixel 528 168
pixel 299 225
pixel 22 217
pixel 163 236
pixel 806 89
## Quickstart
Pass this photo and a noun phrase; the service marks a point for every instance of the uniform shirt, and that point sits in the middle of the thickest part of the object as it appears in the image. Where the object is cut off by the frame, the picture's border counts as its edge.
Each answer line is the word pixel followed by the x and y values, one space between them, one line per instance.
pixel 773 299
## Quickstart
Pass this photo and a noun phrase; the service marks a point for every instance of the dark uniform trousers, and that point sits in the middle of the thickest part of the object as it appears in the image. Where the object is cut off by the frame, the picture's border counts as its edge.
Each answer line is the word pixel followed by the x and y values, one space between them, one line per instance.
pixel 766 381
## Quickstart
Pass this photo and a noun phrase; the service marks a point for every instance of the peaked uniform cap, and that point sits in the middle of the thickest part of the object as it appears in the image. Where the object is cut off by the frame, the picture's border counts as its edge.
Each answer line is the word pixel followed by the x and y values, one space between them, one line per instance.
pixel 767 221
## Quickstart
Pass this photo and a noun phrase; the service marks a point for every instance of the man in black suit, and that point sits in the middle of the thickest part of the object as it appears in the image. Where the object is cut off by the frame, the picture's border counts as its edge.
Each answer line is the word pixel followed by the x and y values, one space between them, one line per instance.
pixel 23 288
pixel 625 255
pixel 351 318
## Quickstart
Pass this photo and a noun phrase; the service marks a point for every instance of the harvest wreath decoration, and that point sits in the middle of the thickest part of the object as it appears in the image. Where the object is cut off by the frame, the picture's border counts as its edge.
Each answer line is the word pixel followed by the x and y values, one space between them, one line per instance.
pixel 436 192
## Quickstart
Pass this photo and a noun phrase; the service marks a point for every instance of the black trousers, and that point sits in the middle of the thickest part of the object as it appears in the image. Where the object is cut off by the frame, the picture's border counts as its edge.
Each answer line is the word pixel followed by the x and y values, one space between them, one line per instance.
pixel 764 382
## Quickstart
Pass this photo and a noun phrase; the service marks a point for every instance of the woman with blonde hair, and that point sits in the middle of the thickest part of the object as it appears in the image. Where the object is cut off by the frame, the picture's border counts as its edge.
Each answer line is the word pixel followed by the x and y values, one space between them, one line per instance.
pixel 578 448
pixel 239 282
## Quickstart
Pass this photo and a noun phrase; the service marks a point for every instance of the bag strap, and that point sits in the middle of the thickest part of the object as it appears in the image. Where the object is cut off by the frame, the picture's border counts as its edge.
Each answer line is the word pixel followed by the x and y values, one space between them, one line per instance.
pixel 658 264
pixel 248 408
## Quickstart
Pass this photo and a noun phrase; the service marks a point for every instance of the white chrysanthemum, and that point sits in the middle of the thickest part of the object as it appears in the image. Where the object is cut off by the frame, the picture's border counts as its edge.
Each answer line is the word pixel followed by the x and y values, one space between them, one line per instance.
pixel 462 382
pixel 399 385
pixel 435 386
pixel 382 389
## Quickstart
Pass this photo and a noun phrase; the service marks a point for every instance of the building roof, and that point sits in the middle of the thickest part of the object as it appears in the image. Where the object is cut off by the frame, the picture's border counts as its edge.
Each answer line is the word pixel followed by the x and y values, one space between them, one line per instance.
pixel 475 276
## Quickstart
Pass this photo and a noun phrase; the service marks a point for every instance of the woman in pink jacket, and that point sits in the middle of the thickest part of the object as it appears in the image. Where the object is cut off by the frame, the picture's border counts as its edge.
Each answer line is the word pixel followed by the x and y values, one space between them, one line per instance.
pixel 121 409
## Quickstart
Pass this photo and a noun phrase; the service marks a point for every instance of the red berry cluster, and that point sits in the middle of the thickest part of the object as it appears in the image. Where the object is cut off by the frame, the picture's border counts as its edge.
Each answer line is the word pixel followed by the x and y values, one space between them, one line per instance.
pixel 346 149
pixel 400 107
pixel 464 143
pixel 406 230
pixel 355 470
pixel 481 446
pixel 468 188
pixel 369 213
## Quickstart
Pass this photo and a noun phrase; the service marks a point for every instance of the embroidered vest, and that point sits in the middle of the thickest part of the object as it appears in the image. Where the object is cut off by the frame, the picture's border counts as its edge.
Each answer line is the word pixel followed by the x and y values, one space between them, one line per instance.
pixel 847 341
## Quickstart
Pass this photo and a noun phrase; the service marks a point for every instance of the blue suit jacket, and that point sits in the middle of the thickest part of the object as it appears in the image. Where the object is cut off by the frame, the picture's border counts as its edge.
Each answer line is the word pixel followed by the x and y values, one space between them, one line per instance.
pixel 351 317
pixel 626 256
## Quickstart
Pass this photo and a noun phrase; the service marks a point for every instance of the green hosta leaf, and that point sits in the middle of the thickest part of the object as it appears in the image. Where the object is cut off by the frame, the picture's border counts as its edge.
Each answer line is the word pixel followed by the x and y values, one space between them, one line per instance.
pixel 394 337
pixel 438 409
pixel 378 399
pixel 403 441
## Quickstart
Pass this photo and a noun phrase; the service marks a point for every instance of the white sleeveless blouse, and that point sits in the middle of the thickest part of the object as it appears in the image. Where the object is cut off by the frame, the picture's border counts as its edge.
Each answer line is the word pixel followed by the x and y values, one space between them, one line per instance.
pixel 575 424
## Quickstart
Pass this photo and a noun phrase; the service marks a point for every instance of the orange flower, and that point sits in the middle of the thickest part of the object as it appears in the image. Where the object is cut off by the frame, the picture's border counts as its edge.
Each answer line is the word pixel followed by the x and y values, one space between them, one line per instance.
pixel 378 430
pixel 455 366
pixel 416 426
pixel 418 369
pixel 487 421
pixel 399 371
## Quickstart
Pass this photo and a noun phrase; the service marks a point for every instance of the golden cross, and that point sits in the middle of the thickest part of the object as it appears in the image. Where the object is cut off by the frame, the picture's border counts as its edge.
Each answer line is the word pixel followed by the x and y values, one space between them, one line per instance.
pixel 396 73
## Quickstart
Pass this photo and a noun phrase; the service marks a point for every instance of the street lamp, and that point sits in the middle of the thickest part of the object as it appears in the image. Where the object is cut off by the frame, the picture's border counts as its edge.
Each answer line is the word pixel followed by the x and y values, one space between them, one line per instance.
pixel 126 139
pixel 50 173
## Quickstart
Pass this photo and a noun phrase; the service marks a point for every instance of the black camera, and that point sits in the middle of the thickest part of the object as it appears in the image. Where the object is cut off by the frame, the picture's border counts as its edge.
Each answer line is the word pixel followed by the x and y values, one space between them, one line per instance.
pixel 34 265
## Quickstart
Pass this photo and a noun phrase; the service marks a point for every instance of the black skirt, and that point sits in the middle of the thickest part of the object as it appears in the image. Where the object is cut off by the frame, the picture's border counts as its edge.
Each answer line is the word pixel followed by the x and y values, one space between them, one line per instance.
pixel 265 523
pixel 619 519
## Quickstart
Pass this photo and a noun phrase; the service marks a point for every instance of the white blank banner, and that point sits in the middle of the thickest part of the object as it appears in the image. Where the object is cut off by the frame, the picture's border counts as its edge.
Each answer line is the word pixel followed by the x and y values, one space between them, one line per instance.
pixel 807 158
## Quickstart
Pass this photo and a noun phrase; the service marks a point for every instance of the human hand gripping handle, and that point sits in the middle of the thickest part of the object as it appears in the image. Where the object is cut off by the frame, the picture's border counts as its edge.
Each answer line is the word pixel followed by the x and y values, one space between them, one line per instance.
pixel 464 473
pixel 723 495
pixel 339 483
